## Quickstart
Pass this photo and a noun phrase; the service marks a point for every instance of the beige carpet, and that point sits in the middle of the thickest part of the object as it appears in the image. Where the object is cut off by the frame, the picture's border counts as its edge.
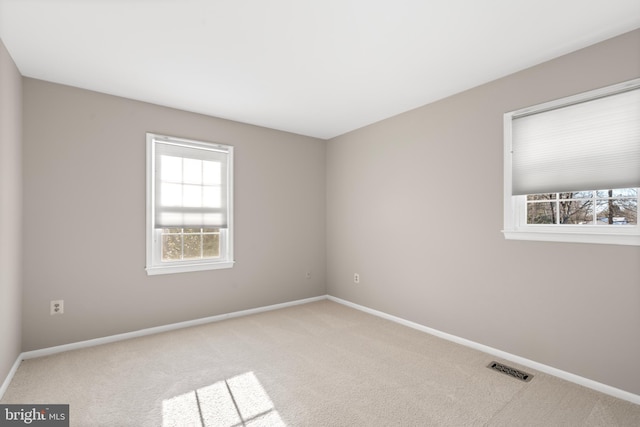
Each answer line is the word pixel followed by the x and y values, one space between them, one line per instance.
pixel 318 364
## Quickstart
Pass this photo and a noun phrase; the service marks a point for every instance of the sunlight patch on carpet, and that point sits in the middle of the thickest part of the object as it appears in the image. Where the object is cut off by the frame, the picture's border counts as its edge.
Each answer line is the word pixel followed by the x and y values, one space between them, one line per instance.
pixel 237 401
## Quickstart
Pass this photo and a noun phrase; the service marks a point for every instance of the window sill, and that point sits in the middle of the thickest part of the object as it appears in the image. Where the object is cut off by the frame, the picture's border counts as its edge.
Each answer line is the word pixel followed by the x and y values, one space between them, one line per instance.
pixel 575 236
pixel 186 268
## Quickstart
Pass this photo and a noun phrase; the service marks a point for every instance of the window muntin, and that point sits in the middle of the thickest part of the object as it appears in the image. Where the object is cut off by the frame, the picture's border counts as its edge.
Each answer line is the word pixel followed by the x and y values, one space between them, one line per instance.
pixel 190 184
pixel 179 244
pixel 601 207
pixel 189 205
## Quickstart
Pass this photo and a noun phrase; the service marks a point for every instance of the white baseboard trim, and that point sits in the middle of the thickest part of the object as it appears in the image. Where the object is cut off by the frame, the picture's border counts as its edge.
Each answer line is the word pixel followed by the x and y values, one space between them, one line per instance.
pixel 143 332
pixel 159 329
pixel 603 388
pixel 585 382
pixel 10 375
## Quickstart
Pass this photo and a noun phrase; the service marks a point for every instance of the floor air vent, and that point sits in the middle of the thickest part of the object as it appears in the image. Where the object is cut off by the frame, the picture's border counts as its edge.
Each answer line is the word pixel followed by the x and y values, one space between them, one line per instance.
pixel 512 372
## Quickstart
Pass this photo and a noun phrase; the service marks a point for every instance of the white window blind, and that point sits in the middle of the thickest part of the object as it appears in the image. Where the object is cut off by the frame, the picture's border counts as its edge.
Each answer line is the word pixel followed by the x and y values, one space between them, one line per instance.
pixel 190 184
pixel 578 144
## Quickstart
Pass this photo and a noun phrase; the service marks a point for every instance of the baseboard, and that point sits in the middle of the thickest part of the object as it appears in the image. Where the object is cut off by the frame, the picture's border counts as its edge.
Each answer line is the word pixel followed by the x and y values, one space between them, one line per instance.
pixel 143 332
pixel 10 375
pixel 159 329
pixel 585 382
pixel 568 376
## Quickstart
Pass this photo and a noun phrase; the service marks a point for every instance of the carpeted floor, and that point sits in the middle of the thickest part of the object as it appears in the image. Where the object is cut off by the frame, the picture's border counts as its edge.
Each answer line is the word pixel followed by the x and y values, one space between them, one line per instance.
pixel 317 364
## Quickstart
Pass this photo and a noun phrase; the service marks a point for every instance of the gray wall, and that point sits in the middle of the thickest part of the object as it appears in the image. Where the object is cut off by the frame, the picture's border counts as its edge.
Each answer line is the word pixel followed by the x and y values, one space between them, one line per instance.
pixel 10 211
pixel 414 205
pixel 84 206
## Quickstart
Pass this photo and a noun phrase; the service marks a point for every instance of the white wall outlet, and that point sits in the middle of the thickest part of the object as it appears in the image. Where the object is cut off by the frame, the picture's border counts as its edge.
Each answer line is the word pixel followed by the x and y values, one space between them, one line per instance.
pixel 308 275
pixel 57 307
pixel 356 278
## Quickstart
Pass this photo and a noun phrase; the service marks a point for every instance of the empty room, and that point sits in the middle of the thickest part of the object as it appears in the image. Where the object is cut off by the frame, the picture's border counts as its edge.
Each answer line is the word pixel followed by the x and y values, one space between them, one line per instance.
pixel 319 213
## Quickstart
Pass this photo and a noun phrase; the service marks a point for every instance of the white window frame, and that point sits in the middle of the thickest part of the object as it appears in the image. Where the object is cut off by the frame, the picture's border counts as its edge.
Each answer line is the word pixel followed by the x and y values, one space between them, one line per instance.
pixel 515 207
pixel 155 265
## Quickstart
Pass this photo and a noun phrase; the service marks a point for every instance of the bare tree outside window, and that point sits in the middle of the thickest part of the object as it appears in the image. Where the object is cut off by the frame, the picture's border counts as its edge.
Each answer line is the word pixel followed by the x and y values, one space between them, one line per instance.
pixel 180 244
pixel 601 207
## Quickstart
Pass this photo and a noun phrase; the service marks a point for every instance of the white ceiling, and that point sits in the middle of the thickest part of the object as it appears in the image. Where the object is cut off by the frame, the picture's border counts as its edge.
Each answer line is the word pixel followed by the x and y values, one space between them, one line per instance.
pixel 313 67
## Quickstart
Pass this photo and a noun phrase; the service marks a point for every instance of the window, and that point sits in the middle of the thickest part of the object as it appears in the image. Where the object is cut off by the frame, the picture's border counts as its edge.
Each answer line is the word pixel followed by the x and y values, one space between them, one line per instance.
pixel 189 205
pixel 572 168
pixel 603 207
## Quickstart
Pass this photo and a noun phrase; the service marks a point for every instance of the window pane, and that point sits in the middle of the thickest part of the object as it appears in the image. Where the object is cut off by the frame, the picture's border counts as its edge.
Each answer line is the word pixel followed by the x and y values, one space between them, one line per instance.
pixel 541 196
pixel 171 168
pixel 621 192
pixel 541 213
pixel 618 212
pixel 192 246
pixel 211 245
pixel 192 173
pixel 171 247
pixel 629 210
pixel 211 197
pixel 171 230
pixel 171 194
pixel 577 195
pixel 211 173
pixel 576 211
pixel 192 196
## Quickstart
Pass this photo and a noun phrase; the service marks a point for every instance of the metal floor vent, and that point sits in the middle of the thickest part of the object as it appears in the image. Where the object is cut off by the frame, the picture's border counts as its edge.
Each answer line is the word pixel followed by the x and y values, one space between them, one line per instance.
pixel 512 372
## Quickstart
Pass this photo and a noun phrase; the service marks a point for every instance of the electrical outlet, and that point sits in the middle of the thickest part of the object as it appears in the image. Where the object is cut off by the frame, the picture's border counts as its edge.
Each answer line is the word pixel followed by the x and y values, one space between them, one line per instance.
pixel 308 275
pixel 57 307
pixel 356 278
